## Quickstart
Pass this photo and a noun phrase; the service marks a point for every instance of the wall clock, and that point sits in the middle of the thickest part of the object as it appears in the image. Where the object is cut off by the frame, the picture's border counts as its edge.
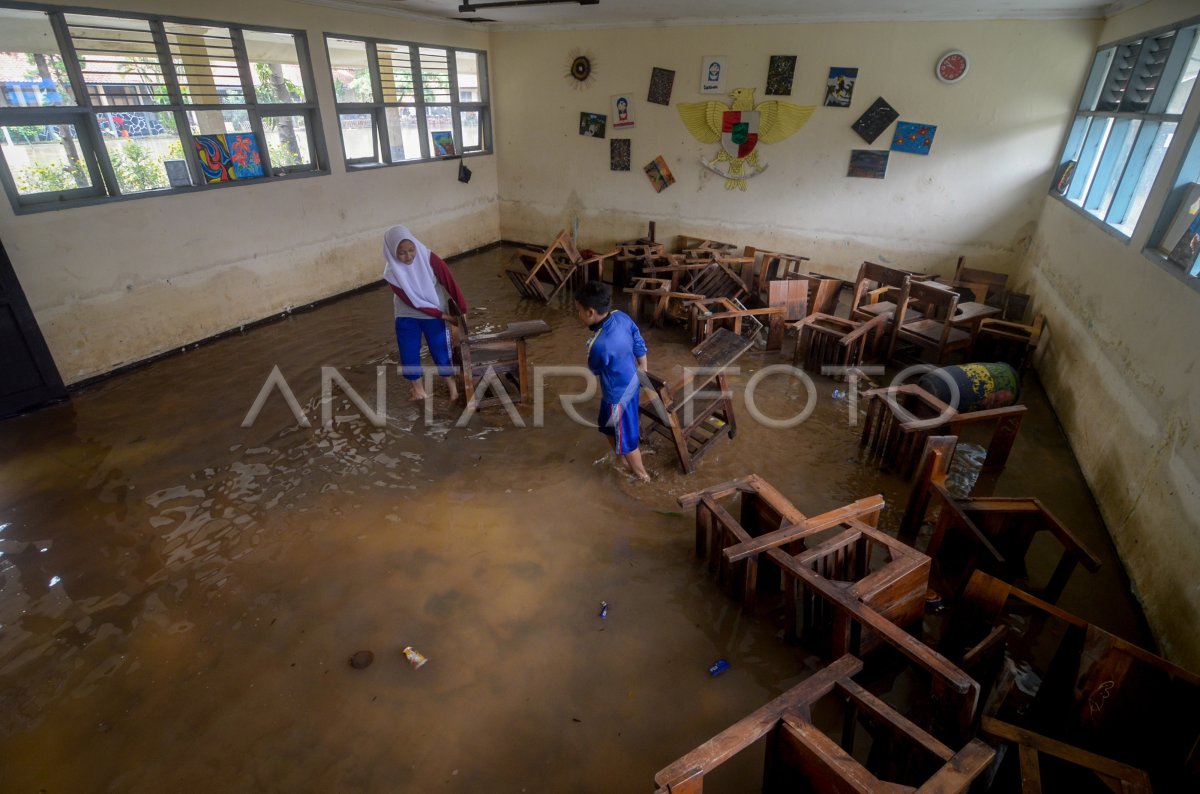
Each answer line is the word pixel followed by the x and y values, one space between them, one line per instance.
pixel 952 66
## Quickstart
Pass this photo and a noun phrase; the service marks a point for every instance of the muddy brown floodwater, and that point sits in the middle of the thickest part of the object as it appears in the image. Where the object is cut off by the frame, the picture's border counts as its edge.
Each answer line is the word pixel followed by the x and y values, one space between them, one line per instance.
pixel 180 595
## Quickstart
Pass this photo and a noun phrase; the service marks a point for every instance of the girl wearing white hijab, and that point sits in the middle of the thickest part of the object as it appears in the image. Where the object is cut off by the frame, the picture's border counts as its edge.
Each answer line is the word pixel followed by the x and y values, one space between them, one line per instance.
pixel 422 288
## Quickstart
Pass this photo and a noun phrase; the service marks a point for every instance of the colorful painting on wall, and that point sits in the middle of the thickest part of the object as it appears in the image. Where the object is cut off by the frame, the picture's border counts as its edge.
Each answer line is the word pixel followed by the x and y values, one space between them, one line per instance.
pixel 443 143
pixel 779 75
pixel 868 163
pixel 661 82
pixel 659 174
pixel 592 125
pixel 879 117
pixel 1187 249
pixel 619 151
pixel 226 157
pixel 913 138
pixel 839 88
pixel 622 111
pixel 712 74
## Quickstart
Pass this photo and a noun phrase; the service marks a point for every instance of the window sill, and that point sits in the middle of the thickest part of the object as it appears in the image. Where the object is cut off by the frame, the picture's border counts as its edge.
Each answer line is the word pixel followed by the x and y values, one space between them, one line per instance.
pixel 355 167
pixel 1158 258
pixel 48 206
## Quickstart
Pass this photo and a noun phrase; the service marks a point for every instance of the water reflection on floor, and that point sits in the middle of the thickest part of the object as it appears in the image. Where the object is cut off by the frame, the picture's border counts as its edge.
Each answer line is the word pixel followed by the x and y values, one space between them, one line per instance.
pixel 179 594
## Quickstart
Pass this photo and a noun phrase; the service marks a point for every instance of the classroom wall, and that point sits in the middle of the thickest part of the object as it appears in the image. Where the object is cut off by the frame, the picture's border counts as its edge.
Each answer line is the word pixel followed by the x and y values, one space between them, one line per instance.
pixel 979 193
pixel 119 282
pixel 1120 366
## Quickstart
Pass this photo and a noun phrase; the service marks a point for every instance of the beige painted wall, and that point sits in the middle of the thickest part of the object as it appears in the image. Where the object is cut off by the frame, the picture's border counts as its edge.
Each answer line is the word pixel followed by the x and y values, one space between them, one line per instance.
pixel 119 282
pixel 978 193
pixel 1121 367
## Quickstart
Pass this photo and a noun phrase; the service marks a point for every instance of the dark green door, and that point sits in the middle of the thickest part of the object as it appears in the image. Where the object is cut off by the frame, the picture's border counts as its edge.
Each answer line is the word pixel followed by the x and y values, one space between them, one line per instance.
pixel 28 377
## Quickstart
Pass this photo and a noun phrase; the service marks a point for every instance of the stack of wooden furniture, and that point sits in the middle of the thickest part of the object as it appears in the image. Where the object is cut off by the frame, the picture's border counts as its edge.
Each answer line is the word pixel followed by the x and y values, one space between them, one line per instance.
pixel 800 757
pixel 546 271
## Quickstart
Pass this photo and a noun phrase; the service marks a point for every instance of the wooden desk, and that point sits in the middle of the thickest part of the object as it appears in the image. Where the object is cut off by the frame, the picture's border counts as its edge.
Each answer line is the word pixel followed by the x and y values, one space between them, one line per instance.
pixel 502 352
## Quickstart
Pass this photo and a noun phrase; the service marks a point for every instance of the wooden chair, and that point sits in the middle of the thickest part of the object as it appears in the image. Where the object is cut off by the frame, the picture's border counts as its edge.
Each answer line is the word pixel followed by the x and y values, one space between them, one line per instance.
pixel 681 408
pixel 899 419
pixel 718 280
pixel 985 286
pixel 877 291
pixel 485 359
pixel 1013 343
pixel 777 266
pixel 657 293
pixel 1030 746
pixel 771 537
pixel 823 291
pixel 802 758
pixel 1097 692
pixel 547 271
pixel 828 341
pixel 938 335
pixel 632 256
pixel 708 314
pixel 993 534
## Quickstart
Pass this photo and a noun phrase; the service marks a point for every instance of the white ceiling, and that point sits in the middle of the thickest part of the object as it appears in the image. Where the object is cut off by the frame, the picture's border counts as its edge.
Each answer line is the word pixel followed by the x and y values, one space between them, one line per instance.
pixel 629 13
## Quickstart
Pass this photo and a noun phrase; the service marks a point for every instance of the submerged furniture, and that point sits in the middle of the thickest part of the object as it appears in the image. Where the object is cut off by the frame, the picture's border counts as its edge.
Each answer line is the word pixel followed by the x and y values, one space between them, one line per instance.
pixel 684 409
pixel 708 314
pixel 1090 689
pixel 777 265
pixel 877 291
pixel 487 359
pixel 900 418
pixel 946 325
pixel 828 341
pixel 823 291
pixel 547 271
pixel 800 757
pixel 992 534
pixel 1010 342
pixel 659 296
pixel 765 549
pixel 985 286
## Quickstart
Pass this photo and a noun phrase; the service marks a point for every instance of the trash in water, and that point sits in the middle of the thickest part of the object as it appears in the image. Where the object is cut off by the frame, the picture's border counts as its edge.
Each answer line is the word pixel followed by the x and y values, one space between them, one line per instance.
pixel 672 513
pixel 414 657
pixel 933 601
pixel 838 394
pixel 362 660
pixel 603 609
pixel 719 667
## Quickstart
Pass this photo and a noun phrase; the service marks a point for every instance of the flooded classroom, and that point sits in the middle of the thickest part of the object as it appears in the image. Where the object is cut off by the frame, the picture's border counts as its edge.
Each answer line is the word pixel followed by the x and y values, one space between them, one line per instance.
pixel 678 397
pixel 181 594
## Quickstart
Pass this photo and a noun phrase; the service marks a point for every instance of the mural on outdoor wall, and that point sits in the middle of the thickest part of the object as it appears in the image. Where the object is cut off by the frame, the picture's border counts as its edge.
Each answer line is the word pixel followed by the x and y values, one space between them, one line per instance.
pixel 739 128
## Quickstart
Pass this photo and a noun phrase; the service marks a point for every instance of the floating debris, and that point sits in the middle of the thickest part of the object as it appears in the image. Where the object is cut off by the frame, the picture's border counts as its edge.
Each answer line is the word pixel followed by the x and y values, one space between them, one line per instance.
pixel 362 660
pixel 414 657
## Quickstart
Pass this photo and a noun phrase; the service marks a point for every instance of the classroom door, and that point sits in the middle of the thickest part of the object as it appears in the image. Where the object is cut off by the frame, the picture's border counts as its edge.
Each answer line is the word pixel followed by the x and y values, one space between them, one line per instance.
pixel 28 377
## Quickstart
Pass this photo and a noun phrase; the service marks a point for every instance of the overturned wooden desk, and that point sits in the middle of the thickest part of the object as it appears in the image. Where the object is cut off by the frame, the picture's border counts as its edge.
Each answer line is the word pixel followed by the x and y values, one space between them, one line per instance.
pixel 683 409
pixel 502 354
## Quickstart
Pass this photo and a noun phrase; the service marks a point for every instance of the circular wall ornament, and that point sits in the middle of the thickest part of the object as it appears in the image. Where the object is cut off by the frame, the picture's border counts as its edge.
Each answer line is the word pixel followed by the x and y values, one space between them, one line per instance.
pixel 581 68
pixel 952 67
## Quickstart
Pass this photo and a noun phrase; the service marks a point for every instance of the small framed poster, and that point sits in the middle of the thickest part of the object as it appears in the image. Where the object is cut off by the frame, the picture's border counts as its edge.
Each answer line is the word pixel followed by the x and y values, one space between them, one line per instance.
pixel 622 111
pixel 712 74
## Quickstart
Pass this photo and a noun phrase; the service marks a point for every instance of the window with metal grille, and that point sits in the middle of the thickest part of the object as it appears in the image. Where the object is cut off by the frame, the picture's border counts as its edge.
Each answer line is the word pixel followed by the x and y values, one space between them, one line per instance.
pixel 98 105
pixel 1127 119
pixel 403 102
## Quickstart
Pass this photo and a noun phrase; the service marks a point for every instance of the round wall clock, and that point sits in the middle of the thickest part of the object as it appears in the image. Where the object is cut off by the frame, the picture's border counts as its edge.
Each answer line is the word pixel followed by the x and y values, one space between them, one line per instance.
pixel 952 66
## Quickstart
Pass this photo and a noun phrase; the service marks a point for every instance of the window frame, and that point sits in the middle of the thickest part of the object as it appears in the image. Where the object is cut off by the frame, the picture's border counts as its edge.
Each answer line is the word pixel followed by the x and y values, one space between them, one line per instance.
pixel 1123 171
pixel 84 114
pixel 377 108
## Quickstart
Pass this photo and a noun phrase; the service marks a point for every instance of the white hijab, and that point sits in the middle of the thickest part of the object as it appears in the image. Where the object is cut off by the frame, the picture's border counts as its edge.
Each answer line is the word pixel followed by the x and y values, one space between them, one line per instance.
pixel 417 280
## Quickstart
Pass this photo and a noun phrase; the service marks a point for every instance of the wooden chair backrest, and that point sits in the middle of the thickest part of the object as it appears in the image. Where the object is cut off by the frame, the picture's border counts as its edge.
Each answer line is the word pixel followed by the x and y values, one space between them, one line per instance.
pixel 872 276
pixel 970 275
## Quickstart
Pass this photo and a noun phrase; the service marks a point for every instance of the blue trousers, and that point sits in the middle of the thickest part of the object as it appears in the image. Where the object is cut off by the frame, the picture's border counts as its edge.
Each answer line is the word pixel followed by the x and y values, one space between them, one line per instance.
pixel 408 338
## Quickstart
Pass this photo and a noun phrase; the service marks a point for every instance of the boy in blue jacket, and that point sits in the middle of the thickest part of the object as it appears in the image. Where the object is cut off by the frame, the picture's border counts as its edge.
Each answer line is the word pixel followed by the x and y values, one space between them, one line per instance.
pixel 616 352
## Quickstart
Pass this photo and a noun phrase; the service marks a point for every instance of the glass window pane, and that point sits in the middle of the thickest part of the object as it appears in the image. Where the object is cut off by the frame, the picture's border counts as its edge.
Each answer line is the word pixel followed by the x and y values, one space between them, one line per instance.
pixel 1147 72
pixel 1145 178
pixel 469 87
pixel 1095 82
pixel 404 136
pixel 205 64
pixel 119 60
pixel 287 141
pixel 274 67
pixel 138 159
pixel 1112 164
pixel 44 158
pixel 1088 158
pixel 396 73
pixel 470 129
pixel 435 75
pixel 31 66
pixel 217 122
pixel 358 135
pixel 1187 79
pixel 351 77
